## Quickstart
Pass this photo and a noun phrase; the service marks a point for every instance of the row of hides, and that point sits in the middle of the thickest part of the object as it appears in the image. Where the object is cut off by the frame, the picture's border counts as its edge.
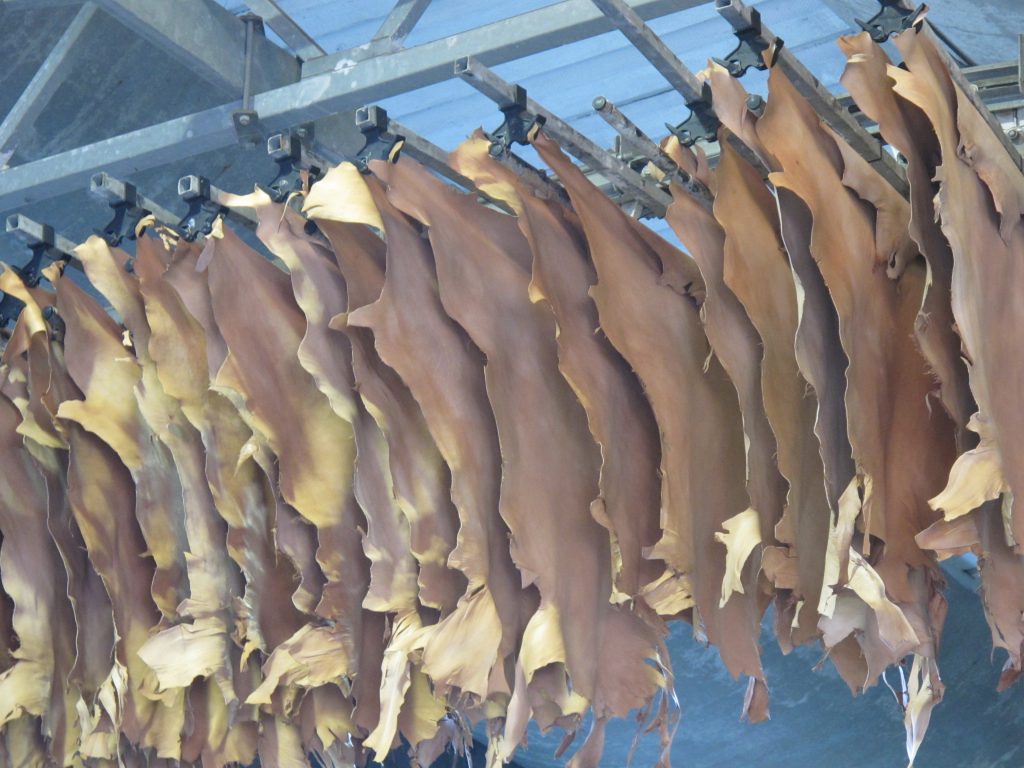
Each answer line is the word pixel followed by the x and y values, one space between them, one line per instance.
pixel 436 467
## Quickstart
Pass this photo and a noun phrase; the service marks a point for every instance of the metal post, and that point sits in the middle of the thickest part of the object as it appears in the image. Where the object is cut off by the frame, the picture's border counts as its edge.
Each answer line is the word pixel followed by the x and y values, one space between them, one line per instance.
pixel 246 119
pixel 300 41
pixel 1020 63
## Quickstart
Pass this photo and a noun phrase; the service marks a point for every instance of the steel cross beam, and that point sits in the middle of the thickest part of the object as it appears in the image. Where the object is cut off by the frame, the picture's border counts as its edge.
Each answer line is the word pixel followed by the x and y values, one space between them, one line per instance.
pixel 207 38
pixel 315 96
pixel 47 79
pixel 652 47
pixel 517 36
pixel 400 22
pixel 678 75
pixel 32 232
pixel 287 28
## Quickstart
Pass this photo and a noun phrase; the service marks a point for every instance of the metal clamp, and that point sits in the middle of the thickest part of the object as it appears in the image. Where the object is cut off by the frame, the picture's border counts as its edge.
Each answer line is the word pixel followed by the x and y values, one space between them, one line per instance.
pixel 44 246
pixel 749 52
pixel 702 124
pixel 379 142
pixel 891 19
pixel 202 211
pixel 287 150
pixel 517 126
pixel 127 209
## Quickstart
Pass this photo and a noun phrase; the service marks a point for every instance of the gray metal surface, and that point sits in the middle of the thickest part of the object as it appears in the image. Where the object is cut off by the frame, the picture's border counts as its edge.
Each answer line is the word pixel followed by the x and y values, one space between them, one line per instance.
pixel 47 79
pixel 206 38
pixel 316 95
pixel 400 22
pixel 513 37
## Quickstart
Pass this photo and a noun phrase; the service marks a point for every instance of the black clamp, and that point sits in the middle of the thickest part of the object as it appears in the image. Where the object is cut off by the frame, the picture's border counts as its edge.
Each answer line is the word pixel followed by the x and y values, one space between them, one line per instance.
pixel 285 149
pixel 379 142
pixel 128 213
pixel 891 19
pixel 202 211
pixel 702 123
pixel 43 251
pixel 516 127
pixel 749 52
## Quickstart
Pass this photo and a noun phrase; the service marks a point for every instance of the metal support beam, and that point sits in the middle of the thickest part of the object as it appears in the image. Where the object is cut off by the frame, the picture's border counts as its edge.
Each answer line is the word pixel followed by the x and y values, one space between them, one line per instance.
pixel 513 38
pixel 47 79
pixel 1020 63
pixel 312 98
pixel 643 38
pixel 668 65
pixel 112 191
pixel 32 232
pixel 300 41
pixel 633 140
pixel 739 15
pixel 35 5
pixel 579 146
pixel 207 38
pixel 400 22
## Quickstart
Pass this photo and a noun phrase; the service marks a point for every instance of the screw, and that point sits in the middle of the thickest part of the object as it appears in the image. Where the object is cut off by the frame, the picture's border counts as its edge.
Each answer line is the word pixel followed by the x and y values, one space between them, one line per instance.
pixel 1013 134
pixel 755 102
pixel 600 103
pixel 244 119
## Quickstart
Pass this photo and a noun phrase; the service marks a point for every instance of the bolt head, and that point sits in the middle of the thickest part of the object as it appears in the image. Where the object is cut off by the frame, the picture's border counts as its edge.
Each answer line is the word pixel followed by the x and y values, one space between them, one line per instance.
pixel 244 119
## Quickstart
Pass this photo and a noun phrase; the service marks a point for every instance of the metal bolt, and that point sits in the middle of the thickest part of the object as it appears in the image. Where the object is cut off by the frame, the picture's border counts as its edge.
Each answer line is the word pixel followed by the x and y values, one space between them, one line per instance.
pixel 755 102
pixel 1013 135
pixel 244 119
pixel 600 103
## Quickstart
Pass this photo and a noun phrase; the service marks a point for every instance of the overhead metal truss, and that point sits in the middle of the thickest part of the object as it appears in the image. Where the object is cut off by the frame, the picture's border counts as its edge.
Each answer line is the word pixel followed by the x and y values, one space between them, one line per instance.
pixel 305 85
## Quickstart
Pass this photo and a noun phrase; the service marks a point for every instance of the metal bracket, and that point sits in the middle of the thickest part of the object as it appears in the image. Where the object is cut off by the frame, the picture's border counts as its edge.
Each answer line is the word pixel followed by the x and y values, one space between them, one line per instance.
pixel 702 123
pixel 129 208
pixel 42 245
pixel 891 19
pixel 750 49
pixel 246 119
pixel 379 142
pixel 202 211
pixel 288 151
pixel 516 127
pixel 128 212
